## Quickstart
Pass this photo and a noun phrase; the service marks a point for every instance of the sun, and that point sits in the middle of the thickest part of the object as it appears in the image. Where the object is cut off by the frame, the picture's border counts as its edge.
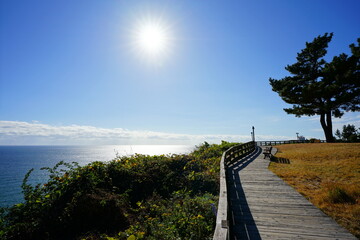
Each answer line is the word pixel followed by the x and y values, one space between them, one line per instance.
pixel 152 39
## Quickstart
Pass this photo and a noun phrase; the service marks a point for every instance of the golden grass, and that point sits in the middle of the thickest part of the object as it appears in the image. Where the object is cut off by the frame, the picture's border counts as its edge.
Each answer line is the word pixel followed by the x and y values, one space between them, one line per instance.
pixel 328 174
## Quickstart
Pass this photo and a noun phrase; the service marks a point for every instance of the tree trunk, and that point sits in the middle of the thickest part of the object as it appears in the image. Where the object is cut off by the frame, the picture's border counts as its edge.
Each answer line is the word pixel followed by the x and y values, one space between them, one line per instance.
pixel 326 123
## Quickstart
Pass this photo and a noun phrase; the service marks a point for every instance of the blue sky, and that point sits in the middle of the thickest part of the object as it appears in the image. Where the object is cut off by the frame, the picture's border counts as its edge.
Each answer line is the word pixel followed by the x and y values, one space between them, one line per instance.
pixel 70 73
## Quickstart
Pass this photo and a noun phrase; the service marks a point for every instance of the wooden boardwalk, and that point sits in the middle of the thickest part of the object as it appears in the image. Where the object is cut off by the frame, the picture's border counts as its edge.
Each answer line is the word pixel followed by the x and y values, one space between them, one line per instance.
pixel 262 206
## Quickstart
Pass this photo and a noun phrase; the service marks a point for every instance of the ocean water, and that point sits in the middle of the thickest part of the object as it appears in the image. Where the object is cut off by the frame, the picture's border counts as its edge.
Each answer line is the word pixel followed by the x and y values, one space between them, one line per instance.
pixel 16 161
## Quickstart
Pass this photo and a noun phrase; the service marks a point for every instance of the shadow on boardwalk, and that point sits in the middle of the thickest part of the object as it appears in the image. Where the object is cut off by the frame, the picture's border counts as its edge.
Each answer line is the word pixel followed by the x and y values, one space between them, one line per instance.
pixel 262 206
pixel 243 225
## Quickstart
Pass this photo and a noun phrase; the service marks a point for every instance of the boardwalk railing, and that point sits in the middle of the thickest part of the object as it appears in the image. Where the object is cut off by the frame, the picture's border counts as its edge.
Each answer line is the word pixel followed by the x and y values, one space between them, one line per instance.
pixel 222 217
pixel 229 156
pixel 271 143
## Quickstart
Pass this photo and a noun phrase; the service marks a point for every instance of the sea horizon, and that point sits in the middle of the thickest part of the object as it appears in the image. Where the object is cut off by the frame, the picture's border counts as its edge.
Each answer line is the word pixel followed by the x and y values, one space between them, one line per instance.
pixel 17 160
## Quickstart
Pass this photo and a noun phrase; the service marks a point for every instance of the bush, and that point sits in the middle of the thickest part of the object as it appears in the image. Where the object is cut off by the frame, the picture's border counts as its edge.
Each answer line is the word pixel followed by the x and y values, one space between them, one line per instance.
pixel 183 216
pixel 130 197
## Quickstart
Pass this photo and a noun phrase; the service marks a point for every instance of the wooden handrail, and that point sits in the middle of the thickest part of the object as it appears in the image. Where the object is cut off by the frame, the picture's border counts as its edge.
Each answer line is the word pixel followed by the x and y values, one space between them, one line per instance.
pixel 271 143
pixel 222 217
pixel 222 226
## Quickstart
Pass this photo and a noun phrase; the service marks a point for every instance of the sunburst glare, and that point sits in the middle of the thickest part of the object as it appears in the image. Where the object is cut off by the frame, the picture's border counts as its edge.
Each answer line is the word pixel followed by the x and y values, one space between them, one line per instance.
pixel 152 39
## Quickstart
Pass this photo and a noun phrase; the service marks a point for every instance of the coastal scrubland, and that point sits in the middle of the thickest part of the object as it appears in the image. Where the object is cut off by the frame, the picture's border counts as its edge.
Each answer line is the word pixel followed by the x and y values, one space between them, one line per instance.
pixel 328 174
pixel 131 197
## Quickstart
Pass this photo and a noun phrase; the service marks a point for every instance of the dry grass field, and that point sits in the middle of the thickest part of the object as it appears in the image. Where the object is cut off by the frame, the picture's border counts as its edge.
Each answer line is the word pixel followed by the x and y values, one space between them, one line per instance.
pixel 326 174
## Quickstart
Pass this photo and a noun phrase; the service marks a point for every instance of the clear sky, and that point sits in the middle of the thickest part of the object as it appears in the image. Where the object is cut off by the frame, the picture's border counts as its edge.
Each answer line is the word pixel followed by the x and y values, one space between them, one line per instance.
pixel 71 72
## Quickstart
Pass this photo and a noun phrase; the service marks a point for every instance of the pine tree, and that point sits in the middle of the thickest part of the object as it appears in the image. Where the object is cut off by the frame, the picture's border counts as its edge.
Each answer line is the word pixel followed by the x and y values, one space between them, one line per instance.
pixel 316 87
pixel 350 134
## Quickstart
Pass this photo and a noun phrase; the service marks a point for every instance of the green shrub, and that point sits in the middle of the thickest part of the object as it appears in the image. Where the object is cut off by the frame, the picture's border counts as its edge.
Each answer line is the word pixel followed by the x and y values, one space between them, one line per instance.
pixel 130 197
pixel 183 216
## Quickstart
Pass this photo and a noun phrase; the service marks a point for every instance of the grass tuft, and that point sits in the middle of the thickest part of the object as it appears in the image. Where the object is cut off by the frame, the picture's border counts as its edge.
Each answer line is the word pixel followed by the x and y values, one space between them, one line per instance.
pixel 339 195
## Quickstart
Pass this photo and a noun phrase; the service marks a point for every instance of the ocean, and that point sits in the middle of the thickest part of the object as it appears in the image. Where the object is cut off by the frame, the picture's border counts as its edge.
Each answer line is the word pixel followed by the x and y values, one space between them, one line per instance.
pixel 16 161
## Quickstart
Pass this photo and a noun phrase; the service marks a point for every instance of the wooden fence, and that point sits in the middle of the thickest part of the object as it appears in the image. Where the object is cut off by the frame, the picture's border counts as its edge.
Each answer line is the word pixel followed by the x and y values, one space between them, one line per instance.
pixel 222 217
pixel 271 143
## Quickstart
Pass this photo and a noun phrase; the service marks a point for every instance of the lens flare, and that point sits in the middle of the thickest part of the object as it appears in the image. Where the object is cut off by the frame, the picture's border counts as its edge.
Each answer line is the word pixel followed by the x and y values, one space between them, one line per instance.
pixel 152 39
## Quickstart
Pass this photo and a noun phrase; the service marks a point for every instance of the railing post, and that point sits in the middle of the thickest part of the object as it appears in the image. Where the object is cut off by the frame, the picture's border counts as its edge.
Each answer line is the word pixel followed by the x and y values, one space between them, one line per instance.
pixel 253 134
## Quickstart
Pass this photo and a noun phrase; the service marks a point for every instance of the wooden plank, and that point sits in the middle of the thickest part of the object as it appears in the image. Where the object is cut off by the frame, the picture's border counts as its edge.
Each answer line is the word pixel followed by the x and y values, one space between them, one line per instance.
pixel 262 206
pixel 221 231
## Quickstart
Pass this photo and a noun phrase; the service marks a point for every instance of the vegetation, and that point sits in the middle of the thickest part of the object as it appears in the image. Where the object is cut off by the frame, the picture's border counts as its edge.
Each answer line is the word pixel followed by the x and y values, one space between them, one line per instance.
pixel 348 134
pixel 137 197
pixel 320 88
pixel 328 175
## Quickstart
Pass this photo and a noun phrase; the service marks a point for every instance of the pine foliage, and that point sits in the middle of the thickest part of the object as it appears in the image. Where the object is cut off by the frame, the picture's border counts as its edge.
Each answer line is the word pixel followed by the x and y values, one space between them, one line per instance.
pixel 318 87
